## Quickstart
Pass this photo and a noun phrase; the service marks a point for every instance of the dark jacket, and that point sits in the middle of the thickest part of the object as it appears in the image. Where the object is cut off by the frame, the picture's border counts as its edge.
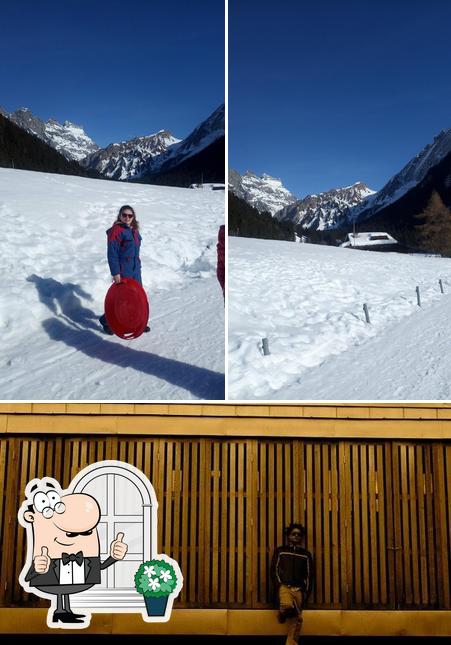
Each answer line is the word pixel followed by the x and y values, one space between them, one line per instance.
pixel 93 566
pixel 123 251
pixel 293 566
pixel 220 247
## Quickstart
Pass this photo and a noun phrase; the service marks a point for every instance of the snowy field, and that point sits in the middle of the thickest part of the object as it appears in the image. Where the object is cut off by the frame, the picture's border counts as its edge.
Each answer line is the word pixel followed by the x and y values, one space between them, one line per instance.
pixel 55 276
pixel 308 301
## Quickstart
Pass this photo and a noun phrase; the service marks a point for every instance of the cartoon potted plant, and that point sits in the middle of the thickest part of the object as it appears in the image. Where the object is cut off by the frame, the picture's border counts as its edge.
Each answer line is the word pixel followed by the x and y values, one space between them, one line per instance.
pixel 156 580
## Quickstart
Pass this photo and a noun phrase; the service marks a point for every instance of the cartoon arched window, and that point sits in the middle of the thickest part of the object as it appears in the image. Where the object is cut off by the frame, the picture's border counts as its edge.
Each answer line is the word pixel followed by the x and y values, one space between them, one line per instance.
pixel 126 502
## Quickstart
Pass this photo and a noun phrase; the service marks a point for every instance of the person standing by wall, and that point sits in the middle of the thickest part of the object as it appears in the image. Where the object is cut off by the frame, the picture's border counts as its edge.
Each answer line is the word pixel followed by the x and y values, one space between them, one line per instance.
pixel 292 576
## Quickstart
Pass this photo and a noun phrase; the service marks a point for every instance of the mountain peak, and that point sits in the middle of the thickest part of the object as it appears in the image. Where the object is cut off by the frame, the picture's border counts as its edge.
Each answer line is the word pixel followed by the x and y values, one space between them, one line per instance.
pixel 325 210
pixel 264 193
pixel 68 139
pixel 411 175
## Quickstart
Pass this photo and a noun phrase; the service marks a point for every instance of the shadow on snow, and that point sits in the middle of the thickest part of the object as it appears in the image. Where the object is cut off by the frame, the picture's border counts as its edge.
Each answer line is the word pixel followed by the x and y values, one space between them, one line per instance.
pixel 73 325
pixel 67 296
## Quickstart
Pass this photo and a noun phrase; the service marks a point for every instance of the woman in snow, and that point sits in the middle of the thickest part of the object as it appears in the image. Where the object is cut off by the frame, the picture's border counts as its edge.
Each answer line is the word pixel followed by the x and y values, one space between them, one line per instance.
pixel 124 241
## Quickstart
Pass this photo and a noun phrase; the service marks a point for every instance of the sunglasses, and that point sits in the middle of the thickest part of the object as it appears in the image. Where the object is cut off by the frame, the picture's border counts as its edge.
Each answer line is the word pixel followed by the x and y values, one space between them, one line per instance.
pixel 127 215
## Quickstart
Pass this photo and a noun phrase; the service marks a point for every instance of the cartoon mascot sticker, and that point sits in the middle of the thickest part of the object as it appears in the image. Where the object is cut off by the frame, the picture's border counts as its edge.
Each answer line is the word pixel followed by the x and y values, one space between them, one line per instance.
pixel 64 553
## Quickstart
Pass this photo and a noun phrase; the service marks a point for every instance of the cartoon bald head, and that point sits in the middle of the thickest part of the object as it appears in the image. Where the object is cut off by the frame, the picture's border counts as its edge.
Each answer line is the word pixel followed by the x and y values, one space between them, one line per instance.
pixel 61 523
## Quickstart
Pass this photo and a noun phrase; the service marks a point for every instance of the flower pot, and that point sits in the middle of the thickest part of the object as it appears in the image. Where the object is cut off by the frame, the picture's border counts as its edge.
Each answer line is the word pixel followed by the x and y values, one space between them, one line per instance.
pixel 156 606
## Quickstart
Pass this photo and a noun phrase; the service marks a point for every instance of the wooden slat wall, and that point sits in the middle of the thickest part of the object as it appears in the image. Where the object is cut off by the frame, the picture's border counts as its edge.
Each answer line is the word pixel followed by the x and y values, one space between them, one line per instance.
pixel 377 513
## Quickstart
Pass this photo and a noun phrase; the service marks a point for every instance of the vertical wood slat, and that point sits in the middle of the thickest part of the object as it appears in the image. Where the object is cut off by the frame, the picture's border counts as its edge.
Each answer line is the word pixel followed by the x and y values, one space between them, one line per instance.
pixel 8 539
pixel 251 524
pixel 382 505
pixel 420 481
pixel 317 544
pixel 263 528
pixel 336 546
pixel 213 574
pixel 241 546
pixel 405 532
pixel 373 519
pixel 442 527
pixel 366 570
pixel 398 591
pixel 345 526
pixel 232 511
pixel 225 534
pixel 391 510
pixel 357 561
pixel 430 541
pixel 194 555
pixel 413 527
pixel 446 519
pixel 326 521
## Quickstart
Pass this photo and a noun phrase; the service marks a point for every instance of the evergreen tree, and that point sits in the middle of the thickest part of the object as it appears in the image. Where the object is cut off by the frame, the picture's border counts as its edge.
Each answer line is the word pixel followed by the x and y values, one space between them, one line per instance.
pixel 434 233
pixel 246 221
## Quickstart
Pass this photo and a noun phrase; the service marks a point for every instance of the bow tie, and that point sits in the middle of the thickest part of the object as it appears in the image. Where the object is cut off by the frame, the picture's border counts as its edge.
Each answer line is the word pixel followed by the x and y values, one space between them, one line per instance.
pixel 73 557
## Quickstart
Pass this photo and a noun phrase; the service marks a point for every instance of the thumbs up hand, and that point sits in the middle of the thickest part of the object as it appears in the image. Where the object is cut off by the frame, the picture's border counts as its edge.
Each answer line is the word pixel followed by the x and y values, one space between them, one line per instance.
pixel 118 548
pixel 42 562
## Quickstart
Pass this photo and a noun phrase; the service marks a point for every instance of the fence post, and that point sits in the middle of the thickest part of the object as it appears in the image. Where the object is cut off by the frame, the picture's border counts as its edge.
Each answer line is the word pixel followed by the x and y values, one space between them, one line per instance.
pixel 367 315
pixel 417 289
pixel 441 286
pixel 265 346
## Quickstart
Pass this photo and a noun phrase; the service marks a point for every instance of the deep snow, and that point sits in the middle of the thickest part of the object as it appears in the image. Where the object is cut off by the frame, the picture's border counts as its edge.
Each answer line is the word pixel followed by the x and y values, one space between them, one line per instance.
pixel 55 276
pixel 308 301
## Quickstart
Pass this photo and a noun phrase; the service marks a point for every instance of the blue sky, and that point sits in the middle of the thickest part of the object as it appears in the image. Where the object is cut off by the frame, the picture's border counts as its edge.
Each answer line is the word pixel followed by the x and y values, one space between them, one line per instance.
pixel 120 69
pixel 323 94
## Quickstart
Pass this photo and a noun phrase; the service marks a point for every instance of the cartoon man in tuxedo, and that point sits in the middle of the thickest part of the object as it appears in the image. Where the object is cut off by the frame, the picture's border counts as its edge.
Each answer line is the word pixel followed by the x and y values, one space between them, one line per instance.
pixel 63 547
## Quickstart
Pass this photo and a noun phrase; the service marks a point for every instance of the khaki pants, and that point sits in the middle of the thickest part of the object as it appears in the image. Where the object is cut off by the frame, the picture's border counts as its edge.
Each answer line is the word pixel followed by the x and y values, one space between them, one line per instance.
pixel 291 598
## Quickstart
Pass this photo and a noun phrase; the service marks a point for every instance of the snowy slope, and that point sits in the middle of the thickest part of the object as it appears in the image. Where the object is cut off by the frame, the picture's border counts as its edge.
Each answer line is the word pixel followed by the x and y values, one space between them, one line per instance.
pixel 308 301
pixel 55 276
pixel 264 193
pixel 351 375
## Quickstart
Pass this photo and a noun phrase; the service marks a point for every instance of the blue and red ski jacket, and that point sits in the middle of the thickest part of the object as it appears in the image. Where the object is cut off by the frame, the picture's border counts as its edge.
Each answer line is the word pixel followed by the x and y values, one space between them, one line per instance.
pixel 123 251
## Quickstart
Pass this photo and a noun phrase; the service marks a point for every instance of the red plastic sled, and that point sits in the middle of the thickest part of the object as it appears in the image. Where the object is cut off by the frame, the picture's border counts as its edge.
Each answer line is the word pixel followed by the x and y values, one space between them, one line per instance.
pixel 127 308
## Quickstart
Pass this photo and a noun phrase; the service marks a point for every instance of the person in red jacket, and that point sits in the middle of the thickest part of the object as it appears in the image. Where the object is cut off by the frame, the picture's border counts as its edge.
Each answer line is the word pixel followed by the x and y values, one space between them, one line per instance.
pixel 292 577
pixel 124 243
pixel 220 268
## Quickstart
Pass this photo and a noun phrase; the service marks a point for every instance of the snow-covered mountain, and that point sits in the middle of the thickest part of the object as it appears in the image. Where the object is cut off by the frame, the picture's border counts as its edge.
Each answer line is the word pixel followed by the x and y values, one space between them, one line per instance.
pixel 130 159
pixel 264 193
pixel 142 157
pixel 409 177
pixel 147 156
pixel 68 138
pixel 325 210
pixel 204 135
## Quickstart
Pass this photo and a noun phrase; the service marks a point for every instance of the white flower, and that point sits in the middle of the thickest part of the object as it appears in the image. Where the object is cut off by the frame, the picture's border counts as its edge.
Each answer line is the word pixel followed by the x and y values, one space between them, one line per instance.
pixel 149 571
pixel 165 575
pixel 153 582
